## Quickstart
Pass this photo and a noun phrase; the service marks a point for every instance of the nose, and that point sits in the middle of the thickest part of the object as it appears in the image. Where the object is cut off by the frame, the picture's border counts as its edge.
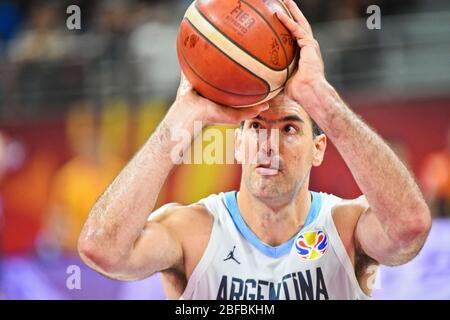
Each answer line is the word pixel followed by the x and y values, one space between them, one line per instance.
pixel 268 141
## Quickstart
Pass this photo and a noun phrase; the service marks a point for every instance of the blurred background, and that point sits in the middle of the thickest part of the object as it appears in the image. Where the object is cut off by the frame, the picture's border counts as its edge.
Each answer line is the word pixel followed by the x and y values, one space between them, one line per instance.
pixel 75 106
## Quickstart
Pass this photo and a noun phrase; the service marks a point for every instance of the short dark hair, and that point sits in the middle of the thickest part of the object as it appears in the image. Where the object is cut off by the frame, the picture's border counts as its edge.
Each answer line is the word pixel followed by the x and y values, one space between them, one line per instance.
pixel 316 131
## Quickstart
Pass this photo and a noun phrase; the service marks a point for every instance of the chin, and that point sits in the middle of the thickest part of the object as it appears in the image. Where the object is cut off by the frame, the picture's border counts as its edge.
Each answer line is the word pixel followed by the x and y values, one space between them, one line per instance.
pixel 266 194
pixel 263 188
pixel 267 187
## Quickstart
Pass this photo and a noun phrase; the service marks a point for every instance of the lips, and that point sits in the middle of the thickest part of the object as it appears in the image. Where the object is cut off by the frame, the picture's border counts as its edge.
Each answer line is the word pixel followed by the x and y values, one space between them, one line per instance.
pixel 267 169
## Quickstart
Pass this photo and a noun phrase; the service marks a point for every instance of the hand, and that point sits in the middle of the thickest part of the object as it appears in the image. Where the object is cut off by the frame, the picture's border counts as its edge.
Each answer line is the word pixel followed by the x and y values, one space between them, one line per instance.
pixel 310 67
pixel 209 112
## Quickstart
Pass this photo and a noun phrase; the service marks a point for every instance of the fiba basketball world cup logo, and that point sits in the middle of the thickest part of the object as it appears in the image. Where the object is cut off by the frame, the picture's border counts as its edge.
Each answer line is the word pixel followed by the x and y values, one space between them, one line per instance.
pixel 311 245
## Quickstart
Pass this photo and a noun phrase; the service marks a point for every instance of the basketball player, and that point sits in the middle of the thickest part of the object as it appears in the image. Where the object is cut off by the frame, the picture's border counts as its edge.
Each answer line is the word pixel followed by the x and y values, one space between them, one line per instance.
pixel 274 238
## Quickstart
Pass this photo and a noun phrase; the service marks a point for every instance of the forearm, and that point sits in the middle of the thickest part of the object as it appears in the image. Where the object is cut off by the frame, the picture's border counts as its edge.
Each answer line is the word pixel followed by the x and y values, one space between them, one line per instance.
pixel 388 186
pixel 118 217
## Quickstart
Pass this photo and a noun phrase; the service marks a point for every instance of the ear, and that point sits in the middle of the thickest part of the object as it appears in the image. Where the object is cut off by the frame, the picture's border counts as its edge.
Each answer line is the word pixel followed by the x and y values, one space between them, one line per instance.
pixel 320 145
pixel 238 145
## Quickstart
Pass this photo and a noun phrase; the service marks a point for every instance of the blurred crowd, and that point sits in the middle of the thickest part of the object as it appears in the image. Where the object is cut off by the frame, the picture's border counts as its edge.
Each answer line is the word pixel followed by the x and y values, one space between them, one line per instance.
pixel 76 104
pixel 117 53
pixel 124 49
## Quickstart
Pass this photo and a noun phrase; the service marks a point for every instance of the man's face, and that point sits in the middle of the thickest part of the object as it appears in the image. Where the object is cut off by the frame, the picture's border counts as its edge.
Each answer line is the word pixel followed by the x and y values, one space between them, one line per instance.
pixel 277 150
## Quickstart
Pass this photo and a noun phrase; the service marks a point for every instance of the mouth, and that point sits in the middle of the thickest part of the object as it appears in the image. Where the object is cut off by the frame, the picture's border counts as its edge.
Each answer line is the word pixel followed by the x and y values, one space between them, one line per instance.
pixel 267 169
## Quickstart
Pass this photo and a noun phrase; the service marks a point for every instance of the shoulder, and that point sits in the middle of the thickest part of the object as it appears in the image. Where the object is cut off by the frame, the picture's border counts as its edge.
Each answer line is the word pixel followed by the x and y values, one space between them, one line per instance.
pixel 191 227
pixel 349 210
pixel 345 214
pixel 343 211
pixel 177 217
pixel 197 214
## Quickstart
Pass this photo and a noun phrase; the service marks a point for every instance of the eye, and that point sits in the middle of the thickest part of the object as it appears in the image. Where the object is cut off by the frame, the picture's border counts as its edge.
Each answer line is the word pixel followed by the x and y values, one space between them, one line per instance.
pixel 290 129
pixel 255 126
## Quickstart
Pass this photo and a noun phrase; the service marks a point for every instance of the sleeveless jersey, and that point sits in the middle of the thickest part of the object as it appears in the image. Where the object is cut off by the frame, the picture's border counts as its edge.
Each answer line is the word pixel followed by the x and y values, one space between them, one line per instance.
pixel 237 265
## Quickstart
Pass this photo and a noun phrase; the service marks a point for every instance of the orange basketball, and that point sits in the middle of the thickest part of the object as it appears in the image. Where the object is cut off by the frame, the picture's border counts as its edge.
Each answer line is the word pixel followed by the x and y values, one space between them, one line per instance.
pixel 236 52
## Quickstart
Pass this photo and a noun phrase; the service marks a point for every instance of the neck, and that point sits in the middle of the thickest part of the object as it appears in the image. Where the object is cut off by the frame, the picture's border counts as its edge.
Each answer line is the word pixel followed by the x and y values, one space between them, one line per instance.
pixel 274 224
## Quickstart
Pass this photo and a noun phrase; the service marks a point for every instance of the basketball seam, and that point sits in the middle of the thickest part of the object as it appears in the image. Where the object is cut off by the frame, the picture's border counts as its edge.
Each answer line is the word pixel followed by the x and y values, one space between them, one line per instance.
pixel 230 59
pixel 276 34
pixel 237 44
pixel 280 86
pixel 276 79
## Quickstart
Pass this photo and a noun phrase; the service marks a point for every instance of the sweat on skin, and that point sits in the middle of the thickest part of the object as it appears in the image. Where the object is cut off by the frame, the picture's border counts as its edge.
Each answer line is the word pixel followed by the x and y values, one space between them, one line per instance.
pixel 389 227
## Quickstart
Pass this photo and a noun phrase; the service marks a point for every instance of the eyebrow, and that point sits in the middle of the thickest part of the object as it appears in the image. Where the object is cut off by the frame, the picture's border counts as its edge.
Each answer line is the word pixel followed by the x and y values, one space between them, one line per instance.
pixel 285 119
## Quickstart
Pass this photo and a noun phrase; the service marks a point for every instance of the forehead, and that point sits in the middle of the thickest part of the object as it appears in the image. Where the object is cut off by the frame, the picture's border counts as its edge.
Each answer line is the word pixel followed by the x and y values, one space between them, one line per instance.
pixel 282 106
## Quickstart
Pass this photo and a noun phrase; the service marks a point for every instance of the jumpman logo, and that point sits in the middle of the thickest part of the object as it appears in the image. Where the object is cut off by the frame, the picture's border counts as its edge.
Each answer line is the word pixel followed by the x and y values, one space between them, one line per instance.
pixel 231 256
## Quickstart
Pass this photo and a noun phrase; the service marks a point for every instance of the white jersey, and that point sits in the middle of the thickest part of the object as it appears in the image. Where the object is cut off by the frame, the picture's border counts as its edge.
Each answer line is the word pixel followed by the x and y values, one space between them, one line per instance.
pixel 236 265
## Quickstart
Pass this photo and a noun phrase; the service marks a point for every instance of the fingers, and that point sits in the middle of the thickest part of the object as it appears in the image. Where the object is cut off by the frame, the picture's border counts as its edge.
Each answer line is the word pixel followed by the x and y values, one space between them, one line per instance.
pixel 298 15
pixel 309 43
pixel 251 112
pixel 228 115
pixel 185 85
pixel 311 51
pixel 184 80
pixel 242 114
pixel 296 29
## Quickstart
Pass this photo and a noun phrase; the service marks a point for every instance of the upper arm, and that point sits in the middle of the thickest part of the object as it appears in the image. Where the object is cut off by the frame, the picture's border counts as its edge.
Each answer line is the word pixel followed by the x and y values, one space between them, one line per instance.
pixel 373 239
pixel 167 242
pixel 157 248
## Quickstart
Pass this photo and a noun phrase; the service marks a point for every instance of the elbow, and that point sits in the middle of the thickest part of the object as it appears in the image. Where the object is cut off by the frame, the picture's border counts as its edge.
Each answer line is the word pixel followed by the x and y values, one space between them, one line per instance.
pixel 98 258
pixel 410 238
pixel 90 254
pixel 418 225
pixel 422 221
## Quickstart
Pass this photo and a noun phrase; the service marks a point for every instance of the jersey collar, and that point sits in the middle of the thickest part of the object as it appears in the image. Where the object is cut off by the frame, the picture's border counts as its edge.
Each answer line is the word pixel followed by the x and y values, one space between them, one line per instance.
pixel 250 236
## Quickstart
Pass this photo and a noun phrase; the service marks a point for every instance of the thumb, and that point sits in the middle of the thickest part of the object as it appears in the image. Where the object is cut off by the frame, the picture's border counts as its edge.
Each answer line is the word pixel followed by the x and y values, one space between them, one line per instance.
pixel 230 115
pixel 185 85
pixel 251 112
